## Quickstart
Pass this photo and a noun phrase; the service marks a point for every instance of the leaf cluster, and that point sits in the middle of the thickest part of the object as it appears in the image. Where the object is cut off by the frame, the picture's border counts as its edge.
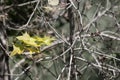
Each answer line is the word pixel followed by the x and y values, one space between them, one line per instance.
pixel 30 44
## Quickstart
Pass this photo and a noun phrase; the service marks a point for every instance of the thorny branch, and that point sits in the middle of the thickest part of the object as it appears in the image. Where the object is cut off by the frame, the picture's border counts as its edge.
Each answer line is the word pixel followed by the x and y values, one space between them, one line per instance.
pixel 77 44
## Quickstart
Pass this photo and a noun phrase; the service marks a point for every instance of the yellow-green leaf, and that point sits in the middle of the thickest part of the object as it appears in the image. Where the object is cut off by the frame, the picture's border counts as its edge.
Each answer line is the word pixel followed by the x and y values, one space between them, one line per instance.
pixel 47 40
pixel 39 39
pixel 28 40
pixel 30 44
pixel 33 50
pixel 16 50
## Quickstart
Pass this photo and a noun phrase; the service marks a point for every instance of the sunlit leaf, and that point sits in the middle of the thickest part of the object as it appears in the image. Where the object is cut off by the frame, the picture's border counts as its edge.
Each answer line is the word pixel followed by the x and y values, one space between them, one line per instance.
pixel 16 50
pixel 38 39
pixel 30 44
pixel 28 40
pixel 47 40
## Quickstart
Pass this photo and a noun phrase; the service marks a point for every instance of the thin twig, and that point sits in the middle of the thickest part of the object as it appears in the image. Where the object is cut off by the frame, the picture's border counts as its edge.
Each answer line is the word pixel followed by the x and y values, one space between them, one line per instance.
pixel 22 4
pixel 63 69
